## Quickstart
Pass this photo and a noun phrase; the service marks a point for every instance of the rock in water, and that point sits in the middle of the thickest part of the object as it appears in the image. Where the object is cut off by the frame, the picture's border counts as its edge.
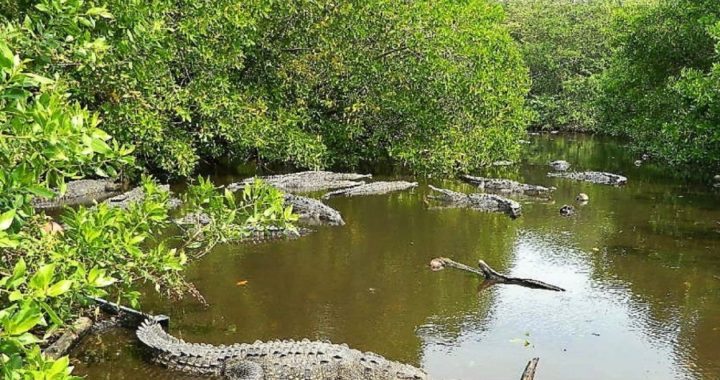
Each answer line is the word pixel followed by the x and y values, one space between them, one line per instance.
pixel 582 198
pixel 716 178
pixel 638 163
pixel 567 210
pixel 602 178
pixel 560 165
pixel 482 202
pixel 373 188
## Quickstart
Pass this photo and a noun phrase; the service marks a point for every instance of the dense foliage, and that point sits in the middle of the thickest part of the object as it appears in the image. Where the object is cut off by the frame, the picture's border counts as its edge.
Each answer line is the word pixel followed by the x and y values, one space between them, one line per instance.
pixel 47 269
pixel 644 69
pixel 438 86
pixel 662 87
pixel 565 44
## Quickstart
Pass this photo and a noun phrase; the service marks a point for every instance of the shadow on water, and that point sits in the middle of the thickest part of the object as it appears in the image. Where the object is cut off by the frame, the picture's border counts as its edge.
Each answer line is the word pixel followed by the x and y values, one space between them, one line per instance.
pixel 638 263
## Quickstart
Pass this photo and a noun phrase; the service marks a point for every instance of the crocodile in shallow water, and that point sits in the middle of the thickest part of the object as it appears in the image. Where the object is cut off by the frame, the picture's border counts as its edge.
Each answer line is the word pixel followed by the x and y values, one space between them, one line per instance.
pixel 310 211
pixel 506 186
pixel 313 211
pixel 602 178
pixel 560 165
pixel 307 181
pixel 78 192
pixel 285 359
pixel 373 188
pixel 477 201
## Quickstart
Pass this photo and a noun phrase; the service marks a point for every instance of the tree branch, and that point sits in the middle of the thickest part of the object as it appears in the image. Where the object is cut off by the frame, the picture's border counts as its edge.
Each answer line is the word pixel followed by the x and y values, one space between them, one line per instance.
pixel 491 275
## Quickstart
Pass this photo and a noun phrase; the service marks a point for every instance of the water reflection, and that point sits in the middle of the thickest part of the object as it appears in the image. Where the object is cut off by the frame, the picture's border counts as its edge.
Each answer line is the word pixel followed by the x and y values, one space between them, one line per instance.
pixel 637 262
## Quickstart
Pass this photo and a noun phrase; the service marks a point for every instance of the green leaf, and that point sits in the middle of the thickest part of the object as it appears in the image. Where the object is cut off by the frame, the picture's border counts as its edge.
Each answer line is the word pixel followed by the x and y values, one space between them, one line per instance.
pixel 27 338
pixel 7 58
pixel 6 219
pixel 59 288
pixel 51 313
pixel 99 11
pixel 101 173
pixel 7 241
pixel 37 79
pixel 24 320
pixel 20 269
pixel 98 279
pixel 41 191
pixel 100 146
pixel 41 279
pixel 59 367
pixel 99 133
pixel 15 295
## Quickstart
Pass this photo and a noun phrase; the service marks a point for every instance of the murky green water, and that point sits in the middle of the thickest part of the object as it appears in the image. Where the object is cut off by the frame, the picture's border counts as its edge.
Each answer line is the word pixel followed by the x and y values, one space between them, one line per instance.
pixel 638 262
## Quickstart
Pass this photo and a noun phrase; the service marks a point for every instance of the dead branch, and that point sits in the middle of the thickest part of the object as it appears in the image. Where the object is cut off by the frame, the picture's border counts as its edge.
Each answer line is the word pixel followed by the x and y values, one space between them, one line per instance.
pixel 491 275
pixel 529 373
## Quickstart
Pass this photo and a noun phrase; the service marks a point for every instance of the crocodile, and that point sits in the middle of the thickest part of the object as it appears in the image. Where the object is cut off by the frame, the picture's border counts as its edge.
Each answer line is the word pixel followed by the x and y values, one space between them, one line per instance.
pixel 506 186
pixel 560 165
pixel 78 192
pixel 478 201
pixel 286 359
pixel 313 211
pixel 602 178
pixel 137 194
pixel 307 181
pixel 373 188
pixel 254 236
pixel 310 211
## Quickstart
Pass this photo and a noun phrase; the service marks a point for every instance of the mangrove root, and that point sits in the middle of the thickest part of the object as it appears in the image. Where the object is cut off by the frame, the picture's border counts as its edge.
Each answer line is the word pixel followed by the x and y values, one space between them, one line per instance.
pixel 491 275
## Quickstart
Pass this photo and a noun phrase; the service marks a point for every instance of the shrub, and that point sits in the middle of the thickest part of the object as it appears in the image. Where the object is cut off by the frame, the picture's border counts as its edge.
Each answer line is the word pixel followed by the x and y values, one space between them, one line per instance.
pixel 437 86
pixel 660 89
pixel 566 44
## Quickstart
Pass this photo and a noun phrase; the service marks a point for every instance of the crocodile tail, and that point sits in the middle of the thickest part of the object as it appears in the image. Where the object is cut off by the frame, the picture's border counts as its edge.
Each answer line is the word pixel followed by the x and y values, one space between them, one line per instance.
pixel 151 334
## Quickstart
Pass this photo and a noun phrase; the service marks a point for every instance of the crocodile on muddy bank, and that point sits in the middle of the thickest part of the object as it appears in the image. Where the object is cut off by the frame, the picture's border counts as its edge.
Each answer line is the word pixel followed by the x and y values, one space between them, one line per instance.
pixel 478 201
pixel 272 360
pixel 506 186
pixel 602 178
pixel 81 191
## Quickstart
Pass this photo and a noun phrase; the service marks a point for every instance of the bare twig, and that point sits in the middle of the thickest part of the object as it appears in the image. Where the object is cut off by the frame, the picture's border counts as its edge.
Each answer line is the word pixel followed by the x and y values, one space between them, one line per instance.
pixel 529 373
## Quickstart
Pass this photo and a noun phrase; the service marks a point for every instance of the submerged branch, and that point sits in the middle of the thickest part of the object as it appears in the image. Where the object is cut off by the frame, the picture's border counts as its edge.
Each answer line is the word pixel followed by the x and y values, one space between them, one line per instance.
pixel 529 373
pixel 491 275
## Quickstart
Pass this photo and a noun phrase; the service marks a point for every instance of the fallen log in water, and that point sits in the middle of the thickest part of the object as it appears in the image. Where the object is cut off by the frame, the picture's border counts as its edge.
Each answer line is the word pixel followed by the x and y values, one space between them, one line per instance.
pixel 70 338
pixel 491 275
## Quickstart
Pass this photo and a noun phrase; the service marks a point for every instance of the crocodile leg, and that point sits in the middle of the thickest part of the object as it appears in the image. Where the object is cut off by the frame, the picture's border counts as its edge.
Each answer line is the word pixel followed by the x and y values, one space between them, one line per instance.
pixel 243 370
